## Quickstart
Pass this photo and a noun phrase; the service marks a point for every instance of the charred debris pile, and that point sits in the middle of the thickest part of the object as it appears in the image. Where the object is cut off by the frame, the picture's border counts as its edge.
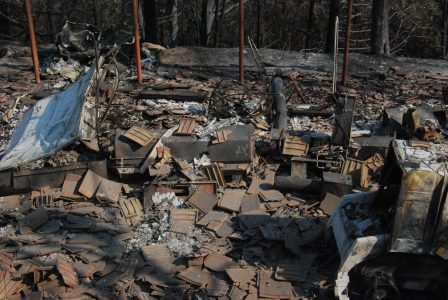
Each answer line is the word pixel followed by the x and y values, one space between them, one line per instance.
pixel 192 185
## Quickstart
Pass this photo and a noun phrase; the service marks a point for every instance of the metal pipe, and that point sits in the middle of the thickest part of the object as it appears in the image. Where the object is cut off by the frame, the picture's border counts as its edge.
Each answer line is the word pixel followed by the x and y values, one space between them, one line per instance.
pixel 29 17
pixel 137 41
pixel 292 183
pixel 347 42
pixel 335 54
pixel 281 111
pixel 241 41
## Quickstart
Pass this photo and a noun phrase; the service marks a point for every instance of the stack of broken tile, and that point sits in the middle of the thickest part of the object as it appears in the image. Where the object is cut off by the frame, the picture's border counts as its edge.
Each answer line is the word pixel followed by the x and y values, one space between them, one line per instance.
pixel 78 240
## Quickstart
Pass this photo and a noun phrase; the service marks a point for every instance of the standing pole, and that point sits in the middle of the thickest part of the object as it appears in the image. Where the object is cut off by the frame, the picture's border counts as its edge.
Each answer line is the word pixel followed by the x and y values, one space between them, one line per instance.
pixel 335 54
pixel 137 41
pixel 241 41
pixel 29 17
pixel 347 42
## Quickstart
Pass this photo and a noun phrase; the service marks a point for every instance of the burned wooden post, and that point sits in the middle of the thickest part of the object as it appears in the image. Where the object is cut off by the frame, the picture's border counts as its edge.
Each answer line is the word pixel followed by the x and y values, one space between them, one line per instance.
pixel 137 41
pixel 29 18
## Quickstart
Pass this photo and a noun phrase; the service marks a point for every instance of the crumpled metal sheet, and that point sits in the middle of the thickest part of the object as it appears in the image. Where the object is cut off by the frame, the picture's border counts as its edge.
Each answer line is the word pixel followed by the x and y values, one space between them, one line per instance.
pixel 77 38
pixel 50 125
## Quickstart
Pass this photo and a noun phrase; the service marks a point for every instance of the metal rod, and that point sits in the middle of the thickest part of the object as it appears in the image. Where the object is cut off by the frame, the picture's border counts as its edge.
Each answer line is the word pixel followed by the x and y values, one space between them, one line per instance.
pixel 241 41
pixel 335 54
pixel 29 17
pixel 137 41
pixel 347 42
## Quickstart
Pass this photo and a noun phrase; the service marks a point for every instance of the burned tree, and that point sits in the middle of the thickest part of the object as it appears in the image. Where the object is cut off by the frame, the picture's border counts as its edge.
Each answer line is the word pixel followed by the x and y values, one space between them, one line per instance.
pixel 379 37
pixel 174 24
pixel 150 12
pixel 207 19
pixel 331 27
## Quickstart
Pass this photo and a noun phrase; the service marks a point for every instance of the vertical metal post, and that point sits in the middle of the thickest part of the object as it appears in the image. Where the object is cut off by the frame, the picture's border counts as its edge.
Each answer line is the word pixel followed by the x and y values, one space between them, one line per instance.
pixel 137 41
pixel 347 42
pixel 29 18
pixel 241 41
pixel 335 54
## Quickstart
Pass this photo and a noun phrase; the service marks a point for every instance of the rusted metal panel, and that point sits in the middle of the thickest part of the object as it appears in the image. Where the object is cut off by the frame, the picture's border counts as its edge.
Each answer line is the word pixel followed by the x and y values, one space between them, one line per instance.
pixel 231 200
pixel 108 191
pixel 186 147
pixel 187 126
pixel 208 186
pixel 295 146
pixel 337 184
pixel 299 168
pixel 70 187
pixel 297 272
pixel 218 288
pixel 216 216
pixel 416 194
pixel 270 288
pixel 240 275
pixel 218 262
pixel 54 177
pixel 90 184
pixel 196 276
pixel 328 205
pixel 139 135
pixel 203 200
pixel 238 148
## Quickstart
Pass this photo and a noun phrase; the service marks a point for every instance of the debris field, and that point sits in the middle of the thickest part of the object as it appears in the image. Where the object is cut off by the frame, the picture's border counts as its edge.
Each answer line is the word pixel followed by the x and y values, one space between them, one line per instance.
pixel 191 185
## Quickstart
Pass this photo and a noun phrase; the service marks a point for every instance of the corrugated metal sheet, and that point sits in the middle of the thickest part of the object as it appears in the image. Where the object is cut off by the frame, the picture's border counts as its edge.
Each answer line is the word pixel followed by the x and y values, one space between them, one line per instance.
pixel 50 125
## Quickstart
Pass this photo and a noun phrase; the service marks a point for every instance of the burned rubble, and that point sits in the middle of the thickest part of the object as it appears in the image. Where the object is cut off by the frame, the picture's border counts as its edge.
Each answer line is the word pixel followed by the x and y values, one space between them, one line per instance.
pixel 194 186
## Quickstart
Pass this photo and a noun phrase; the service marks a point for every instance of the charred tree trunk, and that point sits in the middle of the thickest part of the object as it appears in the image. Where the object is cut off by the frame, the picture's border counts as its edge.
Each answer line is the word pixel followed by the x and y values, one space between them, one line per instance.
pixel 174 25
pixel 445 30
pixel 379 36
pixel 150 16
pixel 49 8
pixel 207 19
pixel 258 23
pixel 215 39
pixel 331 28
pixel 96 20
pixel 309 26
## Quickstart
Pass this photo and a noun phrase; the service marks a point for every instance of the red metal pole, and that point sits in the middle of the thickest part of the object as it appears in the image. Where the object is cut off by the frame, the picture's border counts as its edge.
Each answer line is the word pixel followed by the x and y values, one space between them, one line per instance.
pixel 29 18
pixel 137 42
pixel 242 41
pixel 347 42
